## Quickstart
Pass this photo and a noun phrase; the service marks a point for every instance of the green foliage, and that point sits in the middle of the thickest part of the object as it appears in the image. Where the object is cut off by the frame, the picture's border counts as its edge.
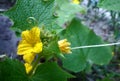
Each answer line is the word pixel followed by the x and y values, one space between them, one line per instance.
pixel 80 35
pixel 41 10
pixel 66 11
pixel 110 4
pixel 105 79
pixel 50 72
pixel 14 70
pixel 52 50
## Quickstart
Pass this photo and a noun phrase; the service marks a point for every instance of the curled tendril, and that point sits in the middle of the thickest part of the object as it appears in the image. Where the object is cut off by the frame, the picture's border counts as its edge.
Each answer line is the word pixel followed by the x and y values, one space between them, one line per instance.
pixel 32 20
pixel 55 14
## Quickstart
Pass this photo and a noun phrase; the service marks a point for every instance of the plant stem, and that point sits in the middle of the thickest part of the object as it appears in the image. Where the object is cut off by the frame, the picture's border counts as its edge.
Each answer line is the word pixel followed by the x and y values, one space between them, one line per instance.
pixel 35 64
pixel 93 46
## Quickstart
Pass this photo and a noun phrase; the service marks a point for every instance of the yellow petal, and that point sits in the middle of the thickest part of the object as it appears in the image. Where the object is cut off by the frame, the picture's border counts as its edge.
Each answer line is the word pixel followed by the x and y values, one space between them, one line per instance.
pixel 38 48
pixel 28 58
pixel 76 1
pixel 35 34
pixel 24 48
pixel 64 46
pixel 62 41
pixel 32 36
pixel 28 67
pixel 25 35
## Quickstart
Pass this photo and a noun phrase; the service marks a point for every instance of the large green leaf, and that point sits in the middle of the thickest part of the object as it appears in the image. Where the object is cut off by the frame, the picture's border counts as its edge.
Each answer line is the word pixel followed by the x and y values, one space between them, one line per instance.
pixel 80 35
pixel 40 10
pixel 12 70
pixel 50 71
pixel 66 11
pixel 110 4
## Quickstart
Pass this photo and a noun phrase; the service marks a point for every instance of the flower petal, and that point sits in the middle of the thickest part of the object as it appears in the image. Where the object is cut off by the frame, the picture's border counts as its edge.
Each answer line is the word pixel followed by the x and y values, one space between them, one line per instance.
pixel 64 46
pixel 76 1
pixel 28 67
pixel 28 58
pixel 35 34
pixel 26 36
pixel 38 48
pixel 24 48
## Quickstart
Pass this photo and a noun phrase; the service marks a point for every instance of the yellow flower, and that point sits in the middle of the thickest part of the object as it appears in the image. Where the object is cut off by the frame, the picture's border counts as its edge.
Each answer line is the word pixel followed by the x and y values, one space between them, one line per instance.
pixel 28 58
pixel 30 42
pixel 28 67
pixel 76 1
pixel 64 46
pixel 29 46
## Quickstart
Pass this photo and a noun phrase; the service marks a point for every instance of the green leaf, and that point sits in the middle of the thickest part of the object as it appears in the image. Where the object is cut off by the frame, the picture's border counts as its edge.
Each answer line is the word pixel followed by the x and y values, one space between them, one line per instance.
pixel 106 79
pixel 12 70
pixel 56 28
pixel 40 10
pixel 52 50
pixel 53 47
pixel 110 4
pixel 80 35
pixel 66 11
pixel 50 71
